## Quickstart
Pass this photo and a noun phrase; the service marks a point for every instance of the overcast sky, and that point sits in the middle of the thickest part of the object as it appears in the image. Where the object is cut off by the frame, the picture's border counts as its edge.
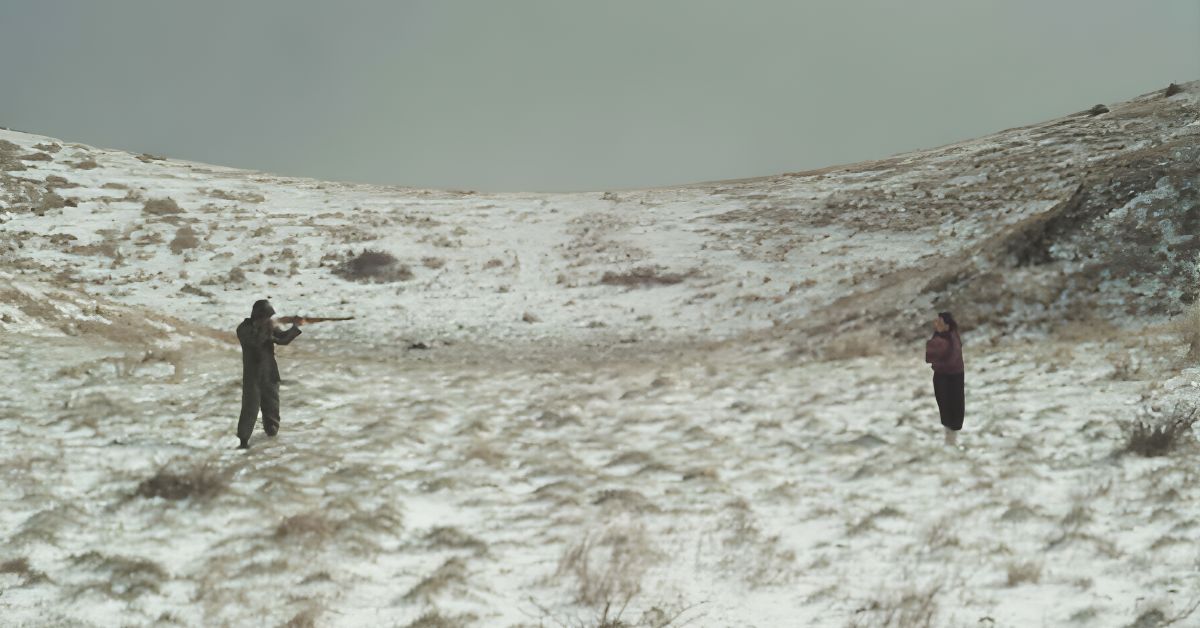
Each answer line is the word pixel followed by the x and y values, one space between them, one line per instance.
pixel 570 95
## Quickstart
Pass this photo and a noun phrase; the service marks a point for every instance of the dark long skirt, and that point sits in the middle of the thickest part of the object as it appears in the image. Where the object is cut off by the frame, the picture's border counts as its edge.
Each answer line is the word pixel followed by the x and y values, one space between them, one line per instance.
pixel 951 399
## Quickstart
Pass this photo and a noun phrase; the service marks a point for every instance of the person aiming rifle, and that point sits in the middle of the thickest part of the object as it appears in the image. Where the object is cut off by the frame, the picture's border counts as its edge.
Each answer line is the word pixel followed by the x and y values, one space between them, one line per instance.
pixel 258 336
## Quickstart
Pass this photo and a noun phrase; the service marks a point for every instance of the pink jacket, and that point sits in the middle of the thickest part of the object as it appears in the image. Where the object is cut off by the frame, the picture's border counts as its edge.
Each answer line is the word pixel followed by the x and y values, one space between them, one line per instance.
pixel 943 352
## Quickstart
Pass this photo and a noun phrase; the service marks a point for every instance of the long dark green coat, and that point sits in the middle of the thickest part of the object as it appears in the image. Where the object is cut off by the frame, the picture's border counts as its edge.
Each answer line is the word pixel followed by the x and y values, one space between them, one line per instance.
pixel 260 374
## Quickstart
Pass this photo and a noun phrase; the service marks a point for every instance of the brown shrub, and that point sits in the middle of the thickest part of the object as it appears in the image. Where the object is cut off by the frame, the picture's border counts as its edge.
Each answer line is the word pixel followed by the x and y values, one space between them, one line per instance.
pixel 54 148
pixel 433 263
pixel 114 186
pixel 85 164
pixel 373 265
pixel 161 207
pixel 492 263
pixel 643 277
pixel 36 157
pixel 198 482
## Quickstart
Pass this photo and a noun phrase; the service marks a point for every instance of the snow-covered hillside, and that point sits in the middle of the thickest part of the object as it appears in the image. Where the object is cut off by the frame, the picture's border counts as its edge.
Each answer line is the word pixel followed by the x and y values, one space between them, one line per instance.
pixel 702 405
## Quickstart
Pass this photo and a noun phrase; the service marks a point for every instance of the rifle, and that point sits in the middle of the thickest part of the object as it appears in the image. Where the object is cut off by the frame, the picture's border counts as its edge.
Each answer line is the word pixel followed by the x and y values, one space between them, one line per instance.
pixel 302 320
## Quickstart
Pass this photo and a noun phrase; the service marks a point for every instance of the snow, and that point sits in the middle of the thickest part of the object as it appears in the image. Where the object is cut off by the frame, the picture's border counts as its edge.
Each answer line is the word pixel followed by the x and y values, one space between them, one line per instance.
pixel 695 437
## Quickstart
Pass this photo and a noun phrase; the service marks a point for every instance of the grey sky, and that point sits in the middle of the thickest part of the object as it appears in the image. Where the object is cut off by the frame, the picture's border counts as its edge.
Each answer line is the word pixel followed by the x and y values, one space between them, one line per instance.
pixel 565 94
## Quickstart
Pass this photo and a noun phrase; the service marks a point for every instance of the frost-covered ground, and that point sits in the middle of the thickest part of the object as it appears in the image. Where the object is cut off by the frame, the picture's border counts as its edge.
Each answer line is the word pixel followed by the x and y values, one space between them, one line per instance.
pixel 718 433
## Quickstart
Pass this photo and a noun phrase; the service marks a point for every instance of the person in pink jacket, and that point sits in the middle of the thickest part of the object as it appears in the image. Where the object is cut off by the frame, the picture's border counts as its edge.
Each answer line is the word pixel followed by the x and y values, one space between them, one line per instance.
pixel 943 352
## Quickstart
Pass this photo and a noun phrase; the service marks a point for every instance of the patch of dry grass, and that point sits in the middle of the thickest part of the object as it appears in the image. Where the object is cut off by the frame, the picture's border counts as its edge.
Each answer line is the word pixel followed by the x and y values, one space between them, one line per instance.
pixel 609 566
pixel 1160 437
pixel 306 527
pixel 185 238
pixel 373 265
pixel 452 572
pixel 21 567
pixel 644 277
pixel 198 482
pixel 120 577
pixel 1022 572
pixel 244 197
pixel 913 608
pixel 161 207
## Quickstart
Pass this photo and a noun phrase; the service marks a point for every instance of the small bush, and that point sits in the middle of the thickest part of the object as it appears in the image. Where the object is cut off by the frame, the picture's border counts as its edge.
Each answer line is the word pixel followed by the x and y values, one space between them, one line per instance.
pixel 373 265
pixel 36 157
pixel 1162 436
pixel 643 277
pixel 202 481
pixel 86 164
pixel 161 207
pixel 1171 90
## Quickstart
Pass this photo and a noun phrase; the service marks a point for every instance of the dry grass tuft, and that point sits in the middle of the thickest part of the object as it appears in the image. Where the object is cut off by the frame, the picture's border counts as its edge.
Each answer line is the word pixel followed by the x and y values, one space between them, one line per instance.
pixel 185 238
pixel 608 567
pixel 434 619
pixel 915 608
pixel 20 567
pixel 433 263
pixel 54 182
pixel 244 197
pixel 644 277
pixel 453 538
pixel 1022 572
pixel 1162 436
pixel 306 618
pixel 856 344
pixel 161 207
pixel 452 572
pixel 373 265
pixel 307 526
pixel 199 482
pixel 1187 325
pixel 121 577
pixel 85 164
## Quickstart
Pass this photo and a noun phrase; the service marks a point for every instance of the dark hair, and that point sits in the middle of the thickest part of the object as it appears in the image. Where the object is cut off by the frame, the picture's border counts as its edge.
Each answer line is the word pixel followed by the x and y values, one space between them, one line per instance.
pixel 262 309
pixel 948 319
